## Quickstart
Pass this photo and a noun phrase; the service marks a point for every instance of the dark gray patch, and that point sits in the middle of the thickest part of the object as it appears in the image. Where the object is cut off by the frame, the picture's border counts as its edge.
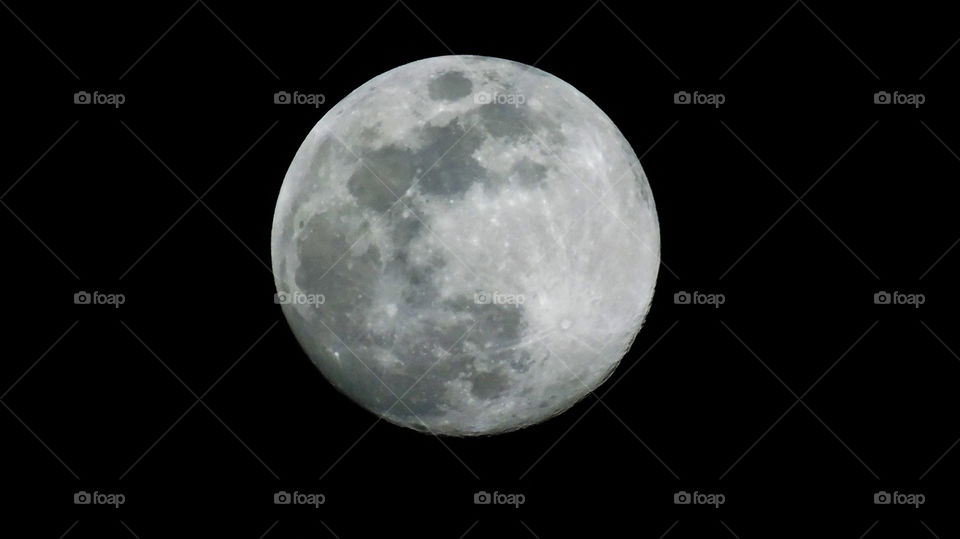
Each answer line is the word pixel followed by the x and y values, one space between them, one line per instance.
pixel 305 183
pixel 518 122
pixel 449 151
pixel 419 295
pixel 504 120
pixel 489 385
pixel 347 287
pixel 369 135
pixel 446 160
pixel 450 86
pixel 527 173
pixel 383 176
pixel 404 229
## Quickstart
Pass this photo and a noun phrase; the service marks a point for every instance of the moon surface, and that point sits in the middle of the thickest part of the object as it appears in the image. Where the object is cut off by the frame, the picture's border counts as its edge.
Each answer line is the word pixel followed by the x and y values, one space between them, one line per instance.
pixel 465 245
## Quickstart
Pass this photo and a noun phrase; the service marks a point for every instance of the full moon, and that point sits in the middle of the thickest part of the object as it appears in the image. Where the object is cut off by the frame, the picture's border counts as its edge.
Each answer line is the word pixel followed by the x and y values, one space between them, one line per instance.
pixel 465 245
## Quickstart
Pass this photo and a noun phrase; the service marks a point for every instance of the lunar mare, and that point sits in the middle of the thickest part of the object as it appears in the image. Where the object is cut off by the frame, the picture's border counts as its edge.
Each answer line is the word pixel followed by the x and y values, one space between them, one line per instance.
pixel 482 240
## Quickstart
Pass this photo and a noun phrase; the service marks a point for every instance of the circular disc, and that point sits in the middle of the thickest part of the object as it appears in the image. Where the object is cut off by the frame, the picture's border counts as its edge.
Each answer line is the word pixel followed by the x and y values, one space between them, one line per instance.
pixel 465 245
